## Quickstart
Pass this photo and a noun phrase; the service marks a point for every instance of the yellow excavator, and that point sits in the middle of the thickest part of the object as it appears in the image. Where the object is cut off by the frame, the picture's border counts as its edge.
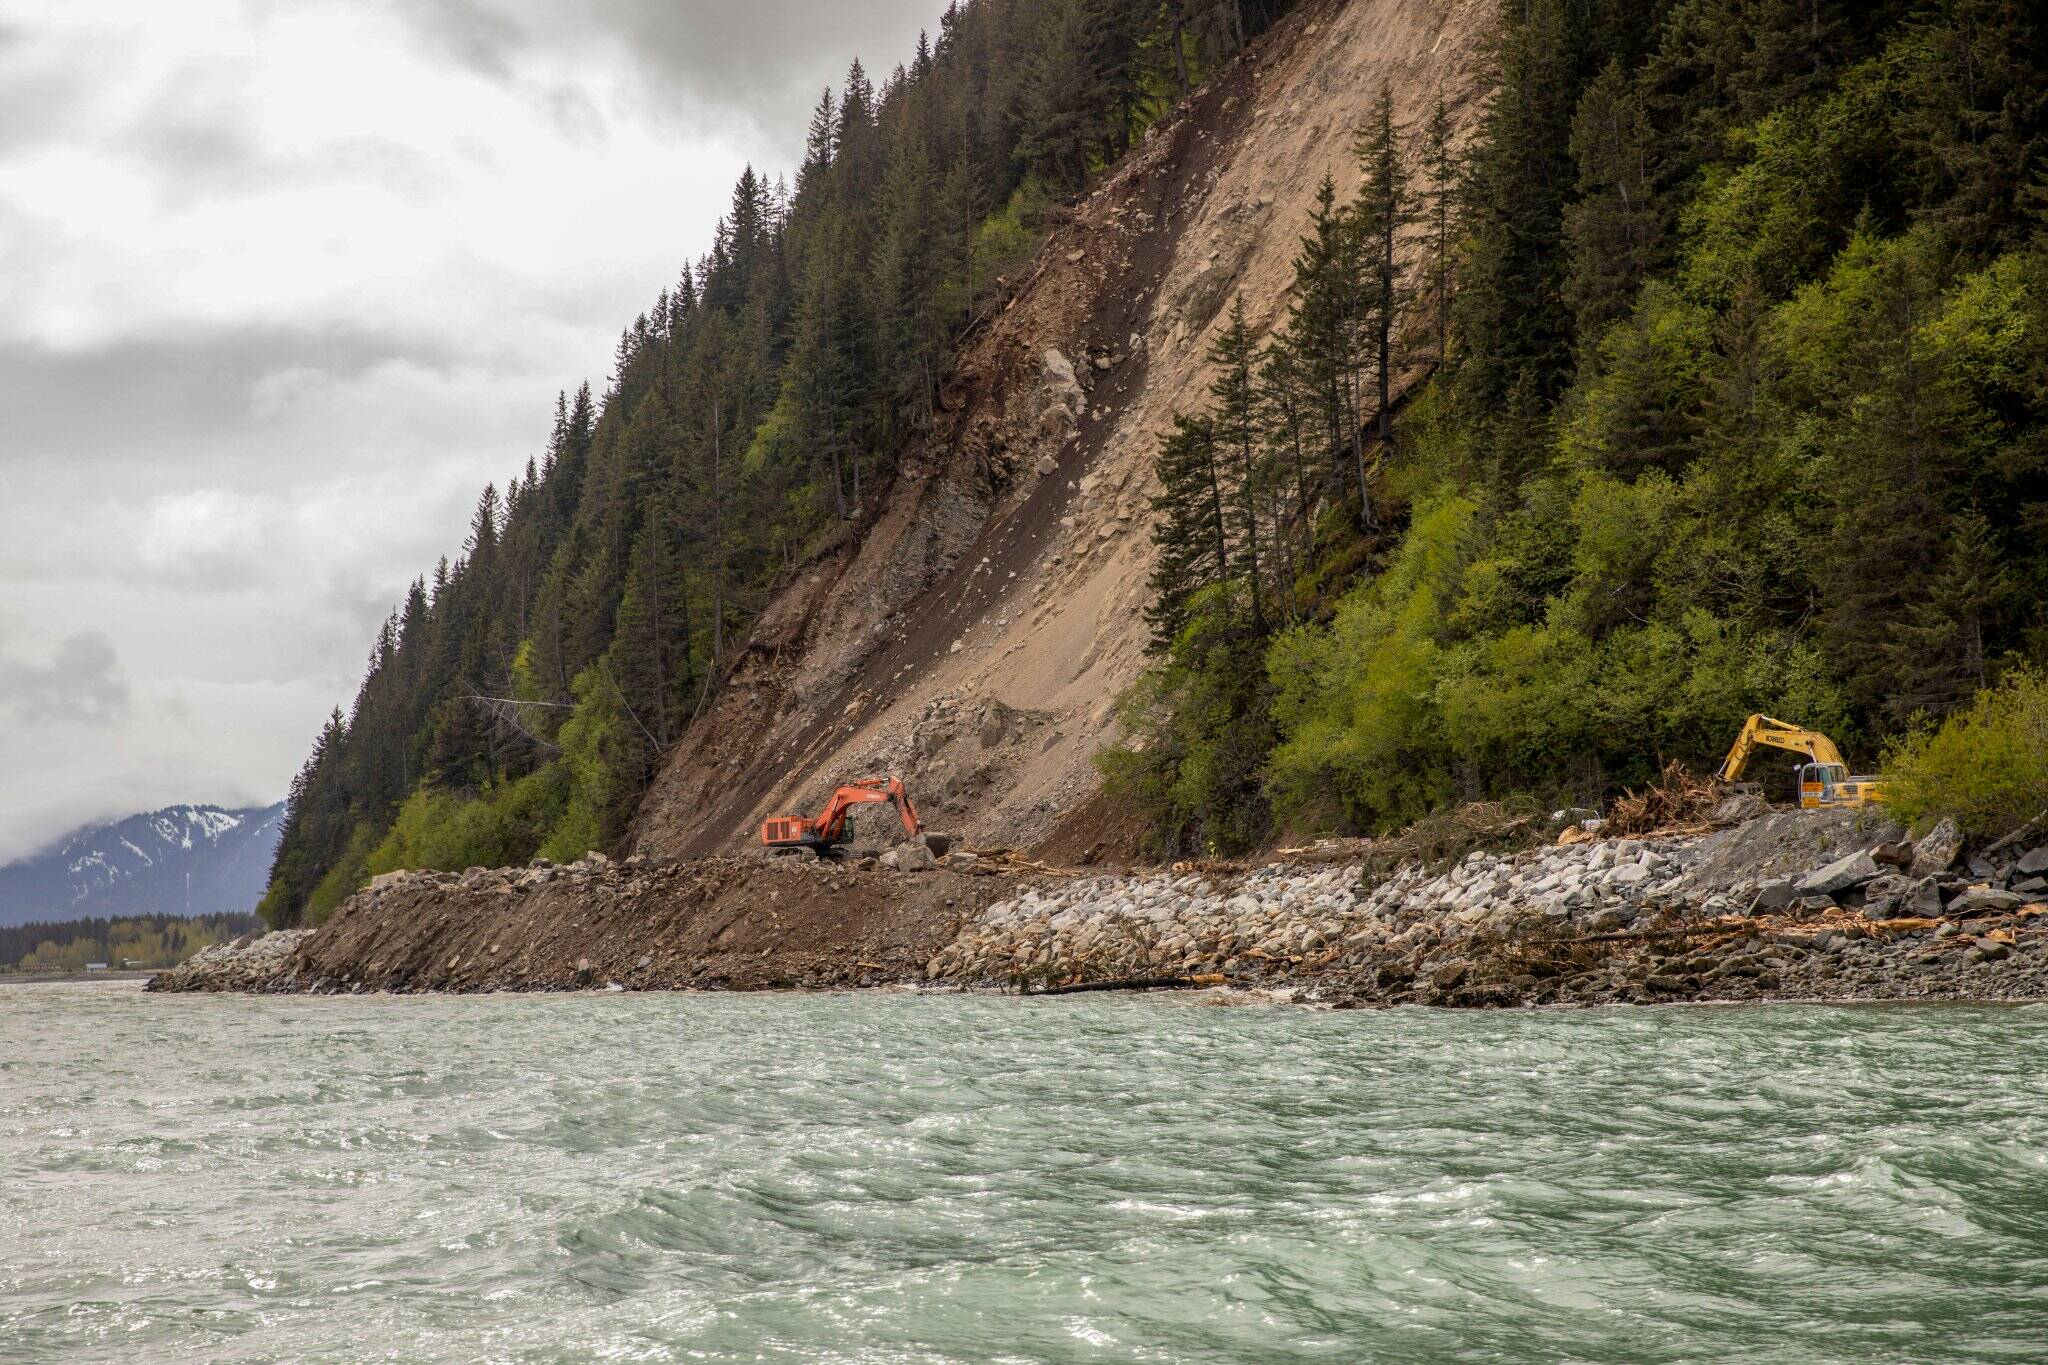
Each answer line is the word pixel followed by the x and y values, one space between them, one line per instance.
pixel 1824 779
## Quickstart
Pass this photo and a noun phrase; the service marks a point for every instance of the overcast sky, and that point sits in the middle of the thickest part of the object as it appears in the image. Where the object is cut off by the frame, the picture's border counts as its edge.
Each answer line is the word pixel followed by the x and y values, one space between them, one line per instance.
pixel 282 284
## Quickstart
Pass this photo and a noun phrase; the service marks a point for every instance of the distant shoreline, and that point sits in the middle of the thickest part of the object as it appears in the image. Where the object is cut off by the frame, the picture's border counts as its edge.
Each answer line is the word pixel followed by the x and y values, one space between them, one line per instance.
pixel 60 978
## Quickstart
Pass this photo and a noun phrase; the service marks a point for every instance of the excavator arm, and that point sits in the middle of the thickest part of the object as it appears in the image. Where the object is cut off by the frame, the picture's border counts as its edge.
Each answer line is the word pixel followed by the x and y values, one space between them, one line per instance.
pixel 832 824
pixel 1763 732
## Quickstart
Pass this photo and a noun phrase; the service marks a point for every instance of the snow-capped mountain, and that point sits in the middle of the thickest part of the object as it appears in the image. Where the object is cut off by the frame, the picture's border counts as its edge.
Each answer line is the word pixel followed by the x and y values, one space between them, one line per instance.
pixel 181 860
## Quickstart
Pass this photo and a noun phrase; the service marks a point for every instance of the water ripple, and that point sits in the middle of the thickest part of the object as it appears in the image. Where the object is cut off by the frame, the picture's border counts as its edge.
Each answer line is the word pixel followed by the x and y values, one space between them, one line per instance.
pixel 882 1178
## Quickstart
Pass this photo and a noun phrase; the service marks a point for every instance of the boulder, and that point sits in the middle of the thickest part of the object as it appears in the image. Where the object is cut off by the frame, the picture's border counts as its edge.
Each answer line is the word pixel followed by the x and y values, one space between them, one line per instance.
pixel 1923 898
pixel 1064 400
pixel 2034 861
pixel 1937 851
pixel 1733 810
pixel 1776 895
pixel 1899 854
pixel 998 723
pixel 1843 874
pixel 1985 900
pixel 909 858
pixel 1882 895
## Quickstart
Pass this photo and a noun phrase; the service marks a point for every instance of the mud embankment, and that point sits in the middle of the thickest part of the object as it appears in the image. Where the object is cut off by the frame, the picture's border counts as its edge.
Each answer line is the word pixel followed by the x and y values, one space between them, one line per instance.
pixel 1792 905
pixel 710 924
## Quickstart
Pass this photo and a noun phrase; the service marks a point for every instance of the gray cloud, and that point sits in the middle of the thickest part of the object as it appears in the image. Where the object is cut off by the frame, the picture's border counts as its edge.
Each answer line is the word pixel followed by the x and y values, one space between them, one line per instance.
pixel 81 683
pixel 148 400
pixel 766 59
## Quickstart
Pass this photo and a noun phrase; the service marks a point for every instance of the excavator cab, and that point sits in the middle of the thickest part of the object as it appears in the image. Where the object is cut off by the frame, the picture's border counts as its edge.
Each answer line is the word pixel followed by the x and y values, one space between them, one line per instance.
pixel 1826 785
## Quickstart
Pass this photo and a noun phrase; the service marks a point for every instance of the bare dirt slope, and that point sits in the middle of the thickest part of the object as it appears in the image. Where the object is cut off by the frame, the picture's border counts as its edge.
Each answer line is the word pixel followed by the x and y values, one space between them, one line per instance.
pixel 976 632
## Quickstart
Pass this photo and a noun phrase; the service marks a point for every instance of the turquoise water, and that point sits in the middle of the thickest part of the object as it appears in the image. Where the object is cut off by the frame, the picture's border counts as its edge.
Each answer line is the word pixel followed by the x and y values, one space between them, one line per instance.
pixel 884 1178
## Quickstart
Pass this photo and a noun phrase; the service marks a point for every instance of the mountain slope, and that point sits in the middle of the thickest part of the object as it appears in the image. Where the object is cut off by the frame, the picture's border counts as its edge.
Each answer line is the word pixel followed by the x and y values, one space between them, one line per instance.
pixel 978 637
pixel 181 860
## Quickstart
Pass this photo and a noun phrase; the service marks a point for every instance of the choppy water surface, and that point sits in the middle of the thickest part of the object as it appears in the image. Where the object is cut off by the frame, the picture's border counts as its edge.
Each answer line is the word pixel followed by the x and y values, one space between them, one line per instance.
pixel 878 1177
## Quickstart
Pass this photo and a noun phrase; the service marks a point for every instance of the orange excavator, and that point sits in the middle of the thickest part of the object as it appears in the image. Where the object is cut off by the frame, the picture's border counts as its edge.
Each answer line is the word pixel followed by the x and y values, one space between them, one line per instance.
pixel 792 833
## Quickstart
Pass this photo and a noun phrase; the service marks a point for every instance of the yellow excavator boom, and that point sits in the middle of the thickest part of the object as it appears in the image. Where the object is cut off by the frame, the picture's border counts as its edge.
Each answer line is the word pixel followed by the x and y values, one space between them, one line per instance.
pixel 1761 732
pixel 1824 780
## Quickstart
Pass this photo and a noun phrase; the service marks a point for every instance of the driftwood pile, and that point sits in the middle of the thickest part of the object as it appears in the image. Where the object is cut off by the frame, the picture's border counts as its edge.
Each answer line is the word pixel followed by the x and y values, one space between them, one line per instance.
pixel 1678 801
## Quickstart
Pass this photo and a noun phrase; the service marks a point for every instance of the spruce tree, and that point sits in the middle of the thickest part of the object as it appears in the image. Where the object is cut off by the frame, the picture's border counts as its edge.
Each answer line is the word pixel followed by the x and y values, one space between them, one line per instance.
pixel 1439 211
pixel 1188 524
pixel 1938 653
pixel 1233 427
pixel 1323 335
pixel 1382 211
pixel 1613 233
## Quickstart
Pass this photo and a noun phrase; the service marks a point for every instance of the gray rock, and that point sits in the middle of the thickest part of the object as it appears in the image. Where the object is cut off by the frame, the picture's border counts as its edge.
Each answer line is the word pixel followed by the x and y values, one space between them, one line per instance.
pixel 1813 905
pixel 1776 895
pixel 2032 886
pixel 1923 899
pixel 1733 810
pixel 1989 950
pixel 1063 398
pixel 1937 851
pixel 1841 875
pixel 1628 874
pixel 1883 893
pixel 909 858
pixel 1980 900
pixel 2034 861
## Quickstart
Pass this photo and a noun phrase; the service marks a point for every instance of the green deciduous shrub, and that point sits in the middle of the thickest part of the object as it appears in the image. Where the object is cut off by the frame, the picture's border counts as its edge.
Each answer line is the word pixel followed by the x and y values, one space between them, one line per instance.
pixel 1987 766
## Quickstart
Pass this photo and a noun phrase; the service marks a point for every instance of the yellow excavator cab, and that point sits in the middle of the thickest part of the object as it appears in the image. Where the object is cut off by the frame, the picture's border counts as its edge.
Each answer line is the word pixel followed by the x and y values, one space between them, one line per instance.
pixel 1824 779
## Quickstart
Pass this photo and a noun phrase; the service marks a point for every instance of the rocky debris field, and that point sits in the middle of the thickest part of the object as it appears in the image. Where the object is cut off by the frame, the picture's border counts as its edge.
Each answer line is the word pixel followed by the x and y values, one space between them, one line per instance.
pixel 1794 904
pixel 1786 905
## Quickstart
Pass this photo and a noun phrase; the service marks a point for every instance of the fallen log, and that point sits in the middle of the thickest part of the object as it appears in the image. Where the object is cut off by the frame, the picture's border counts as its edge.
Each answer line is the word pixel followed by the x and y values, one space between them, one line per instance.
pixel 1135 983
pixel 1651 935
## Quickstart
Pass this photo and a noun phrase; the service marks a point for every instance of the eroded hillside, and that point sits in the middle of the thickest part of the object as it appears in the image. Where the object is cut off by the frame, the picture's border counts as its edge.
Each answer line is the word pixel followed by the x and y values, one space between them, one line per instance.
pixel 977 635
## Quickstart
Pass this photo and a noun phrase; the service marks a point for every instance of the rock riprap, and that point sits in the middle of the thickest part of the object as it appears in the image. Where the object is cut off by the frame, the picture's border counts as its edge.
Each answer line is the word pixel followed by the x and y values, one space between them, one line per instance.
pixel 1788 905
pixel 250 963
pixel 1279 917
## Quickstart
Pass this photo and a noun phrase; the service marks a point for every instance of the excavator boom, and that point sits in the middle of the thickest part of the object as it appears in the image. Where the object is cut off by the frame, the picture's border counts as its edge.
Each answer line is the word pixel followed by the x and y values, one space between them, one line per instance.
pixel 1766 732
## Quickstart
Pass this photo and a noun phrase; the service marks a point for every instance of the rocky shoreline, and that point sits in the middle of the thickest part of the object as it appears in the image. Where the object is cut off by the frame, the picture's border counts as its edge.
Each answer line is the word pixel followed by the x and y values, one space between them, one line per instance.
pixel 1785 905
pixel 1794 905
